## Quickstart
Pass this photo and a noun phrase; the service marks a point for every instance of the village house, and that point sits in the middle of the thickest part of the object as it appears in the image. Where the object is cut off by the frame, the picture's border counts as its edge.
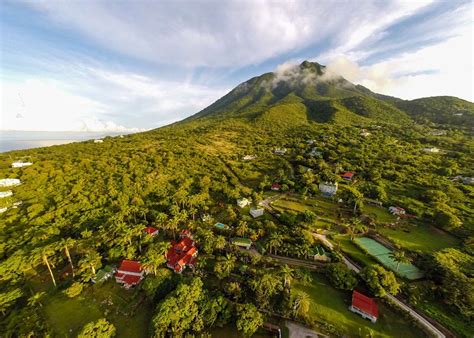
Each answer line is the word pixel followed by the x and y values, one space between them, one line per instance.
pixel 319 254
pixel 364 306
pixel 130 273
pixel 316 152
pixel 9 182
pixel 151 231
pixel 182 254
pixel 243 202
pixel 103 274
pixel 256 212
pixel 431 150
pixel 328 188
pixel 7 193
pixel 17 204
pixel 396 211
pixel 365 133
pixel 347 176
pixel 468 180
pixel 276 187
pixel 242 242
pixel 249 157
pixel 311 142
pixel 280 151
pixel 98 141
pixel 2 210
pixel 21 164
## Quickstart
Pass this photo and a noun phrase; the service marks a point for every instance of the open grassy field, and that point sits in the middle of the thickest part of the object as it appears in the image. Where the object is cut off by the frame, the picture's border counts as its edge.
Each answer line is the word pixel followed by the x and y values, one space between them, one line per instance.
pixel 422 238
pixel 126 309
pixel 352 250
pixel 379 213
pixel 331 306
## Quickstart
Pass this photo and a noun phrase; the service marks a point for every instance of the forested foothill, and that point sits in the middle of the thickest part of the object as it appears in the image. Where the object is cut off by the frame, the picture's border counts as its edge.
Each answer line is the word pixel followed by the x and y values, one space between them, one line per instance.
pixel 85 206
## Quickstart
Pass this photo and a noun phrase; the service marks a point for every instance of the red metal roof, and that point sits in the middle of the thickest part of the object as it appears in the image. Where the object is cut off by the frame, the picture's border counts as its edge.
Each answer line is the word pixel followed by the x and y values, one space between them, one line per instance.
pixel 348 174
pixel 131 280
pixel 151 230
pixel 130 266
pixel 365 304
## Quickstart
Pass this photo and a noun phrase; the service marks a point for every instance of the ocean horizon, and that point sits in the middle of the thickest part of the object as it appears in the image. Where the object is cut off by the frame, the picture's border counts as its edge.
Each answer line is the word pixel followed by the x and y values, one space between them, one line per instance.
pixel 21 140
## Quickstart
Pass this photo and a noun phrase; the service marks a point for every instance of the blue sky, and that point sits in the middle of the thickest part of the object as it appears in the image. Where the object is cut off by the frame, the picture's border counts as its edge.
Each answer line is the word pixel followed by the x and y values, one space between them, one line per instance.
pixel 134 65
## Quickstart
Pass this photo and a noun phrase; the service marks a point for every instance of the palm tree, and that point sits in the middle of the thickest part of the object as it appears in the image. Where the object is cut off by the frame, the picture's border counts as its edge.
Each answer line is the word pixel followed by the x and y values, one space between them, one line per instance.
pixel 274 242
pixel 155 256
pixel 92 260
pixel 400 257
pixel 65 244
pixel 36 299
pixel 287 273
pixel 44 253
pixel 355 227
pixel 300 303
pixel 242 228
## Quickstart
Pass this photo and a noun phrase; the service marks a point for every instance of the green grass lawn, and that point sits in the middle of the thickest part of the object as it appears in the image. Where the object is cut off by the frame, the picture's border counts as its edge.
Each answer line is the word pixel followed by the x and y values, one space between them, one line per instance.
pixel 423 238
pixel 379 213
pixel 126 309
pixel 352 250
pixel 331 306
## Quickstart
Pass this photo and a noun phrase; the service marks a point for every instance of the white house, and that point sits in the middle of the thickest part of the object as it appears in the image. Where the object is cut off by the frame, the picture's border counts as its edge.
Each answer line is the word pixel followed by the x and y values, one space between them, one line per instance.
pixel 310 142
pixel 315 152
pixel 17 204
pixel 98 141
pixel 468 180
pixel 396 211
pixel 4 194
pixel 9 182
pixel 328 188
pixel 431 150
pixel 256 212
pixel 365 133
pixel 280 151
pixel 21 164
pixel 242 203
pixel 249 157
pixel 2 210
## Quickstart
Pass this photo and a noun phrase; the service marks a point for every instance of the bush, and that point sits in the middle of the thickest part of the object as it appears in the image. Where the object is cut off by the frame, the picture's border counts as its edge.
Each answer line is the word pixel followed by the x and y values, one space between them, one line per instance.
pixel 340 276
pixel 74 290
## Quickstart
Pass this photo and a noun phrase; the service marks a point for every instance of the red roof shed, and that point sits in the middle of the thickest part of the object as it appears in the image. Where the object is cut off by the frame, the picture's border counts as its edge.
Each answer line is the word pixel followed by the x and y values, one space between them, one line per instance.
pixel 365 304
pixel 151 230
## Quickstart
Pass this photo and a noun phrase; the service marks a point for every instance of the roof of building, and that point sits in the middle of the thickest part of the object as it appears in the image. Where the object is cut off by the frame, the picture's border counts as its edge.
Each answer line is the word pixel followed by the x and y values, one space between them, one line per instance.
pixel 348 174
pixel 131 279
pixel 151 230
pixel 365 304
pixel 130 266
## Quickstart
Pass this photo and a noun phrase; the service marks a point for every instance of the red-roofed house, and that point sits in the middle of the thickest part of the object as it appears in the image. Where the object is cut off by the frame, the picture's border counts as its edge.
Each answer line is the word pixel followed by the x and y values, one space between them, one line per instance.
pixel 365 306
pixel 347 176
pixel 182 254
pixel 129 273
pixel 151 231
pixel 276 186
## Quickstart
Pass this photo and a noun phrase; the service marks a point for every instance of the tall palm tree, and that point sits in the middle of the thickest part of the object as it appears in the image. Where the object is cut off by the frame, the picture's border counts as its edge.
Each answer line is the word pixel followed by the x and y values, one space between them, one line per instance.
pixel 400 257
pixel 300 303
pixel 66 244
pixel 274 242
pixel 287 274
pixel 92 260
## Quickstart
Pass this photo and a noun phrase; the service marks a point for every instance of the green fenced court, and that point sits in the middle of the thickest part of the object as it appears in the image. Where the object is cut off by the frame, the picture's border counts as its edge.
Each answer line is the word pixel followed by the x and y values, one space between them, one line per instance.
pixel 382 254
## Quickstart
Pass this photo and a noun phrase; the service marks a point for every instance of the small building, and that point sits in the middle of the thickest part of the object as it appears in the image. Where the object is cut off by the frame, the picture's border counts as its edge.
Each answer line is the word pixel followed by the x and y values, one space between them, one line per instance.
pixel 365 133
pixel 21 164
pixel 280 151
pixel 17 204
pixel 328 188
pixel 243 202
pixel 311 142
pixel 319 254
pixel 242 242
pixel 151 231
pixel 276 187
pixel 431 150
pixel 103 274
pixel 348 176
pixel 4 194
pixel 373 202
pixel 315 152
pixel 182 254
pixel 9 182
pixel 396 211
pixel 2 210
pixel 98 141
pixel 364 306
pixel 256 212
pixel 130 273
pixel 468 180
pixel 249 157
pixel 221 226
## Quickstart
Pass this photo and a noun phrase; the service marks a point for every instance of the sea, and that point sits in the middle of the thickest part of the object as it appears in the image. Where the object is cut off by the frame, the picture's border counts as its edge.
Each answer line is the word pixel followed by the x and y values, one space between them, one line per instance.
pixel 18 140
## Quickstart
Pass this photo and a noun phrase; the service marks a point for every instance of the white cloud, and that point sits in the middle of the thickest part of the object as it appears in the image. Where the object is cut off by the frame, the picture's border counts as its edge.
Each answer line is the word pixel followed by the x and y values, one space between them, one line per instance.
pixel 99 100
pixel 230 33
pixel 442 69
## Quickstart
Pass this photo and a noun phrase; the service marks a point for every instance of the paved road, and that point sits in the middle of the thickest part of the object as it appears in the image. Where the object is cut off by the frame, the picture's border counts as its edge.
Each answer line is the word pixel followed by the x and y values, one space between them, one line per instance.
pixel 298 262
pixel 430 327
pixel 300 331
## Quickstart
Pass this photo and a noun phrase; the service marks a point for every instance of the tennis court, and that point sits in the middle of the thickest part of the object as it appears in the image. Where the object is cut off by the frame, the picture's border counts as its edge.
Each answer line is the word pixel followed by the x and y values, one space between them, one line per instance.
pixel 382 254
